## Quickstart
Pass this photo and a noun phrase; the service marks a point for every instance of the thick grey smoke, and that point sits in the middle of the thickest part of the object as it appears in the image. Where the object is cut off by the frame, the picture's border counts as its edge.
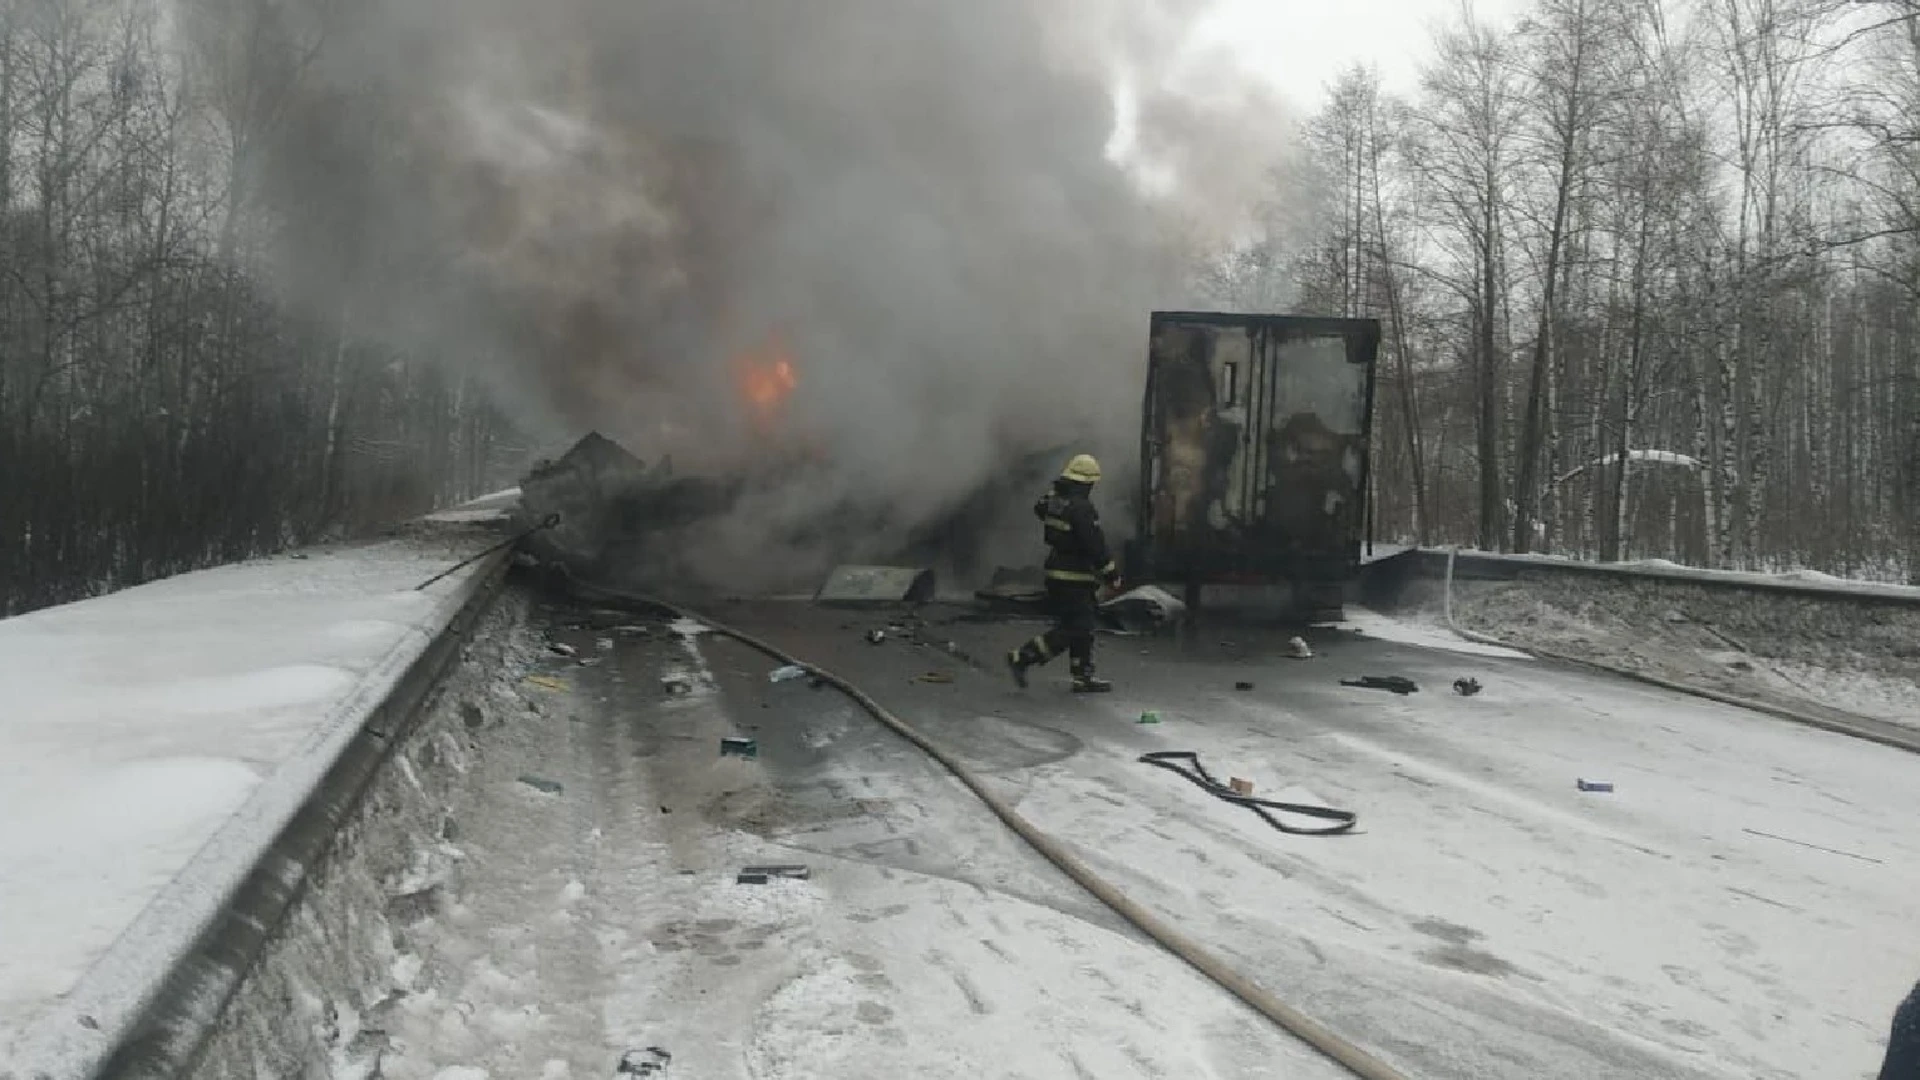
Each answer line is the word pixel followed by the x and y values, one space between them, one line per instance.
pixel 604 205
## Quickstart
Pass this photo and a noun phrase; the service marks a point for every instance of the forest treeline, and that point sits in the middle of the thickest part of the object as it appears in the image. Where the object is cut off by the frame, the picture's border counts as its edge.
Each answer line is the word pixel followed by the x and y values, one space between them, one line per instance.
pixel 1649 278
pixel 160 408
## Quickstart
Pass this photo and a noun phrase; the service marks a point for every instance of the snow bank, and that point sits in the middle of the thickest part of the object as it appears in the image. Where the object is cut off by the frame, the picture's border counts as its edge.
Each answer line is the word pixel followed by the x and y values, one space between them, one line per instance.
pixel 157 740
pixel 1787 581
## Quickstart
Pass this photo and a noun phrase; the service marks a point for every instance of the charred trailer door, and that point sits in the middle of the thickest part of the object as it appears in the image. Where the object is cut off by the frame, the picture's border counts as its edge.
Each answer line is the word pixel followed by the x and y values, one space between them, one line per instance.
pixel 1254 452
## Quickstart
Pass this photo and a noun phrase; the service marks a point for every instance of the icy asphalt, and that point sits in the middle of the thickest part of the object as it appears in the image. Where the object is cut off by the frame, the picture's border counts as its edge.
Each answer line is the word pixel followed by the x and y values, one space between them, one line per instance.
pixel 1741 905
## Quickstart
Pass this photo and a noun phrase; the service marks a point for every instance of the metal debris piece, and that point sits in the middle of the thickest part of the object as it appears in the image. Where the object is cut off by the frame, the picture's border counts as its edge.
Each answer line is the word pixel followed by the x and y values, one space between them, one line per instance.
pixel 863 586
pixel 604 644
pixel 760 875
pixel 789 671
pixel 1594 785
pixel 1393 683
pixel 875 637
pixel 590 661
pixel 652 1061
pixel 546 682
pixel 561 648
pixel 1466 687
pixel 734 746
pixel 1297 649
pixel 933 677
pixel 547 787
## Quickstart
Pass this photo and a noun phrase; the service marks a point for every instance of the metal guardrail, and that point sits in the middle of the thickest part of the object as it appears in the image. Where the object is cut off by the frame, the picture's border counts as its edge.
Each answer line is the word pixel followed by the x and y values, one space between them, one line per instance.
pixel 1480 565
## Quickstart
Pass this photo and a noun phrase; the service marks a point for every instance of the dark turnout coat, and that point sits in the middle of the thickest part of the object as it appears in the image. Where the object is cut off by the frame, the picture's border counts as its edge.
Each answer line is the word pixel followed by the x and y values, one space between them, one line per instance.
pixel 1077 551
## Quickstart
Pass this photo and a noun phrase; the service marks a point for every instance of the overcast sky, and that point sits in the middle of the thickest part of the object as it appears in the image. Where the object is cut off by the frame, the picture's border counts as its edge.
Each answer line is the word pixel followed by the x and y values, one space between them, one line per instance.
pixel 1304 44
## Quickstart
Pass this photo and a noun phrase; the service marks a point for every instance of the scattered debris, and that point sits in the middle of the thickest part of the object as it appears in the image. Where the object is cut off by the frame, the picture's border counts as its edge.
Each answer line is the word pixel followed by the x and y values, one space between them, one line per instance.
pixel 1394 683
pixel 547 682
pixel 1297 649
pixel 760 875
pixel 786 673
pixel 933 677
pixel 1146 608
pixel 1239 786
pixel 546 787
pixel 1149 718
pixel 1595 785
pixel 865 586
pixel 561 648
pixel 734 746
pixel 1467 686
pixel 652 1061
pixel 589 661
pixel 676 684
pixel 604 644
pixel 875 637
pixel 1243 685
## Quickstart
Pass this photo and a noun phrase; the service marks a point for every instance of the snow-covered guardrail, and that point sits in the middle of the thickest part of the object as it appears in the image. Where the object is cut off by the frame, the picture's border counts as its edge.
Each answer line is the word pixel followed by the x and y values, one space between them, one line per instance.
pixel 260 756
pixel 1432 562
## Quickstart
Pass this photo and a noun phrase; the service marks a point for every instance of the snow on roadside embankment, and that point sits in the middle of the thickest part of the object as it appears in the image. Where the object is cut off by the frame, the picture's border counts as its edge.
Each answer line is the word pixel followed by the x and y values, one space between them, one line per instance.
pixel 156 740
pixel 1788 647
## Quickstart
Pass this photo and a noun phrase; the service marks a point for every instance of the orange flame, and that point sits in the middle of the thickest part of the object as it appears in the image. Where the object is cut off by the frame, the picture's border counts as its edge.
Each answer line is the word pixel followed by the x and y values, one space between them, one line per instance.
pixel 767 378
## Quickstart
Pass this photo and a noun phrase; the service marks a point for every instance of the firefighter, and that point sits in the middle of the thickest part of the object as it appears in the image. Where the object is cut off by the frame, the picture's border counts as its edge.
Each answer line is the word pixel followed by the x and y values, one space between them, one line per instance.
pixel 1903 1042
pixel 1078 564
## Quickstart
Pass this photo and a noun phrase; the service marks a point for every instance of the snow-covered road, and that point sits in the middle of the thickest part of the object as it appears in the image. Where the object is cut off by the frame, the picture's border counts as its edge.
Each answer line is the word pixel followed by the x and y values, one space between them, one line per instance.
pixel 1739 906
pixel 547 881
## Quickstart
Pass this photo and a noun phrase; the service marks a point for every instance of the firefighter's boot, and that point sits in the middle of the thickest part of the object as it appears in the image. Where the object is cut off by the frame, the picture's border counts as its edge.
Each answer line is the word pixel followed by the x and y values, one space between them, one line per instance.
pixel 1025 658
pixel 1017 667
pixel 1086 682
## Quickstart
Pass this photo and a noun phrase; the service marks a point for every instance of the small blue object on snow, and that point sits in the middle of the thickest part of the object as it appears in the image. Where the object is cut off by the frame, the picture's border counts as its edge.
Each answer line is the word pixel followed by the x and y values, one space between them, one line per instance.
pixel 1595 785
pixel 782 674
pixel 733 746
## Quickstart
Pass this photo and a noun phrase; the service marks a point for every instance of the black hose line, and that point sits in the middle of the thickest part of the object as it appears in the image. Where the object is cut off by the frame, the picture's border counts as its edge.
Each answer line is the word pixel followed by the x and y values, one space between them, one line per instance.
pixel 1171 760
pixel 547 522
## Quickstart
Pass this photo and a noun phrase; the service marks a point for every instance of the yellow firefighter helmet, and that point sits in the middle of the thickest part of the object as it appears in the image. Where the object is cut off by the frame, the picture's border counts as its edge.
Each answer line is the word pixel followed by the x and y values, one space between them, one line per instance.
pixel 1083 469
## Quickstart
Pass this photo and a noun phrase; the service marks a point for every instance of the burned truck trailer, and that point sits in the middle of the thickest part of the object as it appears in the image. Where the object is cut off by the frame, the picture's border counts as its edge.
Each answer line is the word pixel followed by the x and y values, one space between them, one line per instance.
pixel 1254 454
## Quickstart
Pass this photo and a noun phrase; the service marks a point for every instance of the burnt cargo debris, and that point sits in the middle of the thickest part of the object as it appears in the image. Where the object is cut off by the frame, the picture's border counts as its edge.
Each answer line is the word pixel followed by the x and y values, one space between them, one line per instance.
pixel 1254 452
pixel 615 513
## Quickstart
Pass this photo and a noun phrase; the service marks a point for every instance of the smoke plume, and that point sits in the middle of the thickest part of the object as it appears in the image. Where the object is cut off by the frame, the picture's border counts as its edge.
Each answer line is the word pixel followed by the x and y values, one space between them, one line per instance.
pixel 948 221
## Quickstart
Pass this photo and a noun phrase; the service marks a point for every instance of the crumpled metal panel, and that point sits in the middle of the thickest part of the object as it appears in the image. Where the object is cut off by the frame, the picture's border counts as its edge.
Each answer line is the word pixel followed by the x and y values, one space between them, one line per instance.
pixel 859 586
pixel 1255 444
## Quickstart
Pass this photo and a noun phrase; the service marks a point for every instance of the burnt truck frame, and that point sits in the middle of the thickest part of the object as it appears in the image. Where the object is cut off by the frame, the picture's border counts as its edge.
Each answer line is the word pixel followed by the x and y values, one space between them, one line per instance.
pixel 1254 454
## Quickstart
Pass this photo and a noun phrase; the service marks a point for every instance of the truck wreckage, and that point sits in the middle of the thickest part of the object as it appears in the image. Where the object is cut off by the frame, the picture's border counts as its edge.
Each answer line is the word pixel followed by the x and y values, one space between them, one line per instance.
pixel 1253 472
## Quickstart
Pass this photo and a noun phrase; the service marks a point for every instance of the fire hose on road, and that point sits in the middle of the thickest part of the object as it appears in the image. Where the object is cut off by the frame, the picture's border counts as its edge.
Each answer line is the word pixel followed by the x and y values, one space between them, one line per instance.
pixel 1315 1034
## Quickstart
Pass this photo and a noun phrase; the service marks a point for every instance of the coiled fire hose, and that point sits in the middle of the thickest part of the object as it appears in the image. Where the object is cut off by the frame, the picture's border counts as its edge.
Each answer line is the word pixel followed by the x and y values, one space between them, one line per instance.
pixel 1315 1034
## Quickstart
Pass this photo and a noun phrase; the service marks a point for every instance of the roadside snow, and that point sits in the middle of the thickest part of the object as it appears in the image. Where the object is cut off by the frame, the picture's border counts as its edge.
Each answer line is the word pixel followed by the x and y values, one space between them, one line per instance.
pixel 156 739
pixel 1425 635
